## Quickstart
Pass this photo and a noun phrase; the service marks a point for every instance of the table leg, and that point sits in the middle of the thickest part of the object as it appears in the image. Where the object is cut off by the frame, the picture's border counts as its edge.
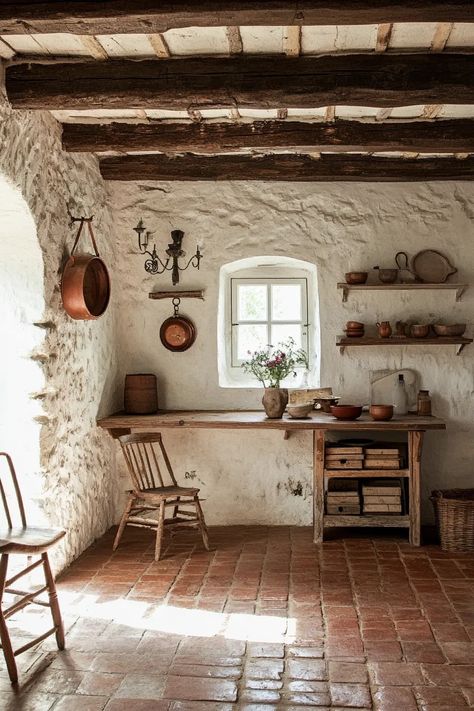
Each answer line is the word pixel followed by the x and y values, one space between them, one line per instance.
pixel 318 485
pixel 415 444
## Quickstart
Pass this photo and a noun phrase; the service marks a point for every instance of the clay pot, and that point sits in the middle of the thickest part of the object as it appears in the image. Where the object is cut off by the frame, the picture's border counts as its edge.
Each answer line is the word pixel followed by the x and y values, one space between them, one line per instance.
pixel 274 401
pixel 385 329
pixel 356 277
pixel 381 412
pixel 419 330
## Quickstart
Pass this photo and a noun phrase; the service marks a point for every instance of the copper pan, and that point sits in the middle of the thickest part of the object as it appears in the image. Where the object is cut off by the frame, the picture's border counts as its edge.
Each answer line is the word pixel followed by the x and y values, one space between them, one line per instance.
pixel 85 284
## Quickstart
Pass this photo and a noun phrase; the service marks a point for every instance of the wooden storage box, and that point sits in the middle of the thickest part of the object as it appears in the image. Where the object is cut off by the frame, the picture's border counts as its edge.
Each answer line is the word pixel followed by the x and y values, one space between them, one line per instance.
pixel 344 461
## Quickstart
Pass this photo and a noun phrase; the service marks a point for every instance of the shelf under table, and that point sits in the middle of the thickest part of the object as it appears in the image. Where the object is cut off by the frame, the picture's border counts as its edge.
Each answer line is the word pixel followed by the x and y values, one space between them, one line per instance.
pixel 366 473
pixel 367 520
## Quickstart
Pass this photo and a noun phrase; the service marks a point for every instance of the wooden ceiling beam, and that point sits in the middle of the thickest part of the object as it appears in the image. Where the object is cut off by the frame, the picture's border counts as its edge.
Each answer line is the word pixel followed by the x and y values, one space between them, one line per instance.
pixel 149 16
pixel 448 136
pixel 285 167
pixel 378 80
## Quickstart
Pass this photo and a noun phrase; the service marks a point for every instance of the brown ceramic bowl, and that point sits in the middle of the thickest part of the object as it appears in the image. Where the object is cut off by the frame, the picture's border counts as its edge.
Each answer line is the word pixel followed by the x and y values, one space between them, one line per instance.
pixel 419 330
pixel 346 412
pixel 355 333
pixel 456 329
pixel 388 276
pixel 356 277
pixel 381 412
pixel 356 325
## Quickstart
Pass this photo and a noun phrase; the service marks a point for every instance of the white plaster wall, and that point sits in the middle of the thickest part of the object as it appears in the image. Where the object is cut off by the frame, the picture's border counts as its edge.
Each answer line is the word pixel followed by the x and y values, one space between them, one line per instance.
pixel 75 468
pixel 247 477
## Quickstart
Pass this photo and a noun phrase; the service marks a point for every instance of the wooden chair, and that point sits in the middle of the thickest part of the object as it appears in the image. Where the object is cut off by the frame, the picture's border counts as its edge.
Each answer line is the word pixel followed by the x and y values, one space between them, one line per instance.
pixel 153 492
pixel 25 540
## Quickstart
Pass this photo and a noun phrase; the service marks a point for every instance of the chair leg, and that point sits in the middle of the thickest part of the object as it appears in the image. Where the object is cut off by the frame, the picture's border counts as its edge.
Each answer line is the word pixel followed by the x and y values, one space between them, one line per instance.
pixel 123 521
pixel 202 523
pixel 4 634
pixel 53 601
pixel 159 530
pixel 176 508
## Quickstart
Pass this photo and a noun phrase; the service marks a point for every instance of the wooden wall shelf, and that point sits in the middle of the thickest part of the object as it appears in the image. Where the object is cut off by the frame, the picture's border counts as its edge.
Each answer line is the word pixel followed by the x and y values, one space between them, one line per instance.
pixel 199 294
pixel 344 342
pixel 346 288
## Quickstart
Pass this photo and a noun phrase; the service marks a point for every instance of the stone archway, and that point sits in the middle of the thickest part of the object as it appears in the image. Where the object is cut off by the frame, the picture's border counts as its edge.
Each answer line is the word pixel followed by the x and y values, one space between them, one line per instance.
pixel 21 374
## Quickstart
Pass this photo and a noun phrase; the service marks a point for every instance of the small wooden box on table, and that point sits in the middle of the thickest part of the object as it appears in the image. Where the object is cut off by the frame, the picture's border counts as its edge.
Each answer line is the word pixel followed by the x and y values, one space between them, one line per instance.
pixel 319 424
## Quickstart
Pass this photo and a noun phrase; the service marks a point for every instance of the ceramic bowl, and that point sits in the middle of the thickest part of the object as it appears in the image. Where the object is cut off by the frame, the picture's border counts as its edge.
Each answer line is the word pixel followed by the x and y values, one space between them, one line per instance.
pixel 419 330
pixel 356 277
pixel 381 412
pixel 388 276
pixel 456 329
pixel 346 412
pixel 298 412
pixel 354 325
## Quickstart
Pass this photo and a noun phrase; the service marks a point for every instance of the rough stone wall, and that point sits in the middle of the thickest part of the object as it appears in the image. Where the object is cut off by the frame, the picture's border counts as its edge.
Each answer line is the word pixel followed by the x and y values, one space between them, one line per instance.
pixel 77 461
pixel 249 477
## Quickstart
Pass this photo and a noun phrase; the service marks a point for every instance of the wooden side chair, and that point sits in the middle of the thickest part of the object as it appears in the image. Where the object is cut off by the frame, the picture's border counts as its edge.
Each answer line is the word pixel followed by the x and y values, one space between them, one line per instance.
pixel 24 540
pixel 155 489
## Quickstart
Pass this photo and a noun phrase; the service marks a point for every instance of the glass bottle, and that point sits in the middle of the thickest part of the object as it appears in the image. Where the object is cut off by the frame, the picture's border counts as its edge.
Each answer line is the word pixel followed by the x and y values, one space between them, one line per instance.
pixel 400 397
pixel 423 404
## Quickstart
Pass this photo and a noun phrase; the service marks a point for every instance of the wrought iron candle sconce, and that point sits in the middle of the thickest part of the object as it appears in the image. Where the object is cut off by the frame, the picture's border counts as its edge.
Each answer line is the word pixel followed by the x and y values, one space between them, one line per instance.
pixel 154 265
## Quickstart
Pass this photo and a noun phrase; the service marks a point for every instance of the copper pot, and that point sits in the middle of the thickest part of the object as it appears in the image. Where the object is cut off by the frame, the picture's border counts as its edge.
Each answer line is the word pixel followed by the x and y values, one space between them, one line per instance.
pixel 85 284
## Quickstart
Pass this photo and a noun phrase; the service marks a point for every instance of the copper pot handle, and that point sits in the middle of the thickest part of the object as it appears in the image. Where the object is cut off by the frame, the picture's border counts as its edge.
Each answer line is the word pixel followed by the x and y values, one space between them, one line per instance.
pixel 91 233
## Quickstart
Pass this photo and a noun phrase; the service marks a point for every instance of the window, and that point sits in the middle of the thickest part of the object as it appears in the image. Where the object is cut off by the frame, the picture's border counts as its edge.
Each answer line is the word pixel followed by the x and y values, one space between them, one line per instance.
pixel 262 301
pixel 267 311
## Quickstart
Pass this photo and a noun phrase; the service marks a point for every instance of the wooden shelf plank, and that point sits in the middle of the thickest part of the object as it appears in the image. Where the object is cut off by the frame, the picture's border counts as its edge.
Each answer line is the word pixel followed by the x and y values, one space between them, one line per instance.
pixel 344 342
pixel 367 521
pixel 199 294
pixel 366 473
pixel 458 288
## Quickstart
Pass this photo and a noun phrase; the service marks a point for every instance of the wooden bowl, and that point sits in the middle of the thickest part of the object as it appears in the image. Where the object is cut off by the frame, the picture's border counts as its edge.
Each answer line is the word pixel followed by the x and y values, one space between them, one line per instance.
pixel 356 277
pixel 455 329
pixel 381 412
pixel 346 412
pixel 299 412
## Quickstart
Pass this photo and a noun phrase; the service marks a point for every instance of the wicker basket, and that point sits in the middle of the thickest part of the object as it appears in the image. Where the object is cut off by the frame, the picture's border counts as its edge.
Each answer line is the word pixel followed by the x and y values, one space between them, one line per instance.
pixel 454 513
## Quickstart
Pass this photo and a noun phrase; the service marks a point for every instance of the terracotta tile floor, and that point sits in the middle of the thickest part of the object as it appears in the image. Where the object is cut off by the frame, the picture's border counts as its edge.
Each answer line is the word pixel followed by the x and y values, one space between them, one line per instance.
pixel 267 620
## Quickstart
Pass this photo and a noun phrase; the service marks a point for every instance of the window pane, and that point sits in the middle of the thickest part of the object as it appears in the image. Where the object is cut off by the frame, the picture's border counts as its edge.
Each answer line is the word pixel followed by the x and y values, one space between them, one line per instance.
pixel 283 331
pixel 286 302
pixel 252 302
pixel 250 337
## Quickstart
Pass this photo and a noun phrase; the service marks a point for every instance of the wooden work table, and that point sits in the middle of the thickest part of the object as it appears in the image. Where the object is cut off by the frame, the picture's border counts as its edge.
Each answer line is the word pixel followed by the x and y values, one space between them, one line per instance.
pixel 319 423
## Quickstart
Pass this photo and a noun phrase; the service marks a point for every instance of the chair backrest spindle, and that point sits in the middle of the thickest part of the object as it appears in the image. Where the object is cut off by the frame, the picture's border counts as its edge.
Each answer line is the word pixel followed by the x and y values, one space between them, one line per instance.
pixel 143 456
pixel 4 497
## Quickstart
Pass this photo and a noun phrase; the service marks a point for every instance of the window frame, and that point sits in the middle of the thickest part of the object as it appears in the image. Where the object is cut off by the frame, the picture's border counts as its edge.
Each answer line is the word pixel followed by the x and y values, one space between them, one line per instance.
pixel 235 282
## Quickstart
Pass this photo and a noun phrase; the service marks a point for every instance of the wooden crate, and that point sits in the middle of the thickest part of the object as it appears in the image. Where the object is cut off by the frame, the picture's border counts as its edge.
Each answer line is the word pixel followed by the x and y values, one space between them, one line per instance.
pixel 343 463
pixel 381 463
pixel 347 509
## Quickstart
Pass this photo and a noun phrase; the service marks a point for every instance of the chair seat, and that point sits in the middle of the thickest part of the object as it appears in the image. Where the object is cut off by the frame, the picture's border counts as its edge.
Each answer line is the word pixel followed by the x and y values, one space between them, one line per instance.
pixel 29 539
pixel 166 492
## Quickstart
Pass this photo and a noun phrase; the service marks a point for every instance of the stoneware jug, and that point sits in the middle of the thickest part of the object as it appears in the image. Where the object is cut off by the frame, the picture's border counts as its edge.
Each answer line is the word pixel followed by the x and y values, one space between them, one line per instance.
pixel 385 329
pixel 274 401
